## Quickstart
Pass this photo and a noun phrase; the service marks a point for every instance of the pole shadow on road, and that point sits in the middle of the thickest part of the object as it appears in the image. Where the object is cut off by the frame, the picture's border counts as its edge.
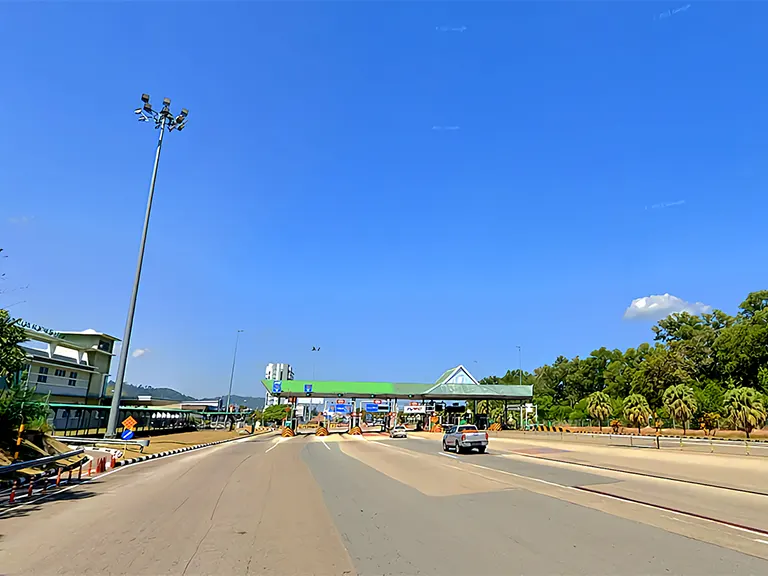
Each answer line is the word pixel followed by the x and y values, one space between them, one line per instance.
pixel 24 506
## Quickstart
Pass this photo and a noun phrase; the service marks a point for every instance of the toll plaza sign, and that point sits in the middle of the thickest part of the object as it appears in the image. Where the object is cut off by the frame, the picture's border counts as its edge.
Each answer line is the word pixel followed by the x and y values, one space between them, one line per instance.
pixel 415 409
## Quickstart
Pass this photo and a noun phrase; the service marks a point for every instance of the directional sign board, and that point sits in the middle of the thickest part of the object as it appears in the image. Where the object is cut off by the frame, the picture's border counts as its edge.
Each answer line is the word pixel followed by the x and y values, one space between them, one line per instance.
pixel 127 434
pixel 277 387
pixel 344 408
pixel 307 388
pixel 414 409
pixel 129 423
pixel 370 407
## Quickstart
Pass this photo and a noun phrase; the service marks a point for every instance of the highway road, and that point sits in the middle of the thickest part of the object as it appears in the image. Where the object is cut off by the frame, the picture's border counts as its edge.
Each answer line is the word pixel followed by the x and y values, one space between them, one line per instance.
pixel 353 506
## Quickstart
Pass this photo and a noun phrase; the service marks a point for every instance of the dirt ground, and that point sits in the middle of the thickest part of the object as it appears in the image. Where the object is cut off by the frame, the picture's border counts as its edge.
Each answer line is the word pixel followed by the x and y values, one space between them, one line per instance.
pixel 174 441
pixel 755 435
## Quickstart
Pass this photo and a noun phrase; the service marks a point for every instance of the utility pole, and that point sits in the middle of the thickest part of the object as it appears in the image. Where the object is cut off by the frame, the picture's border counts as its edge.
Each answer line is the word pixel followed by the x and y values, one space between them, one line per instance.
pixel 232 374
pixel 314 349
pixel 163 120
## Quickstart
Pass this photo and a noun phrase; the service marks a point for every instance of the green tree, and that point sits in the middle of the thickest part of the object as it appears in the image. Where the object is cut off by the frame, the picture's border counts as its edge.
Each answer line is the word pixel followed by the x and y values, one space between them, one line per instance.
pixel 275 413
pixel 661 369
pixel 681 403
pixel 12 357
pixel 745 408
pixel 19 404
pixel 742 348
pixel 637 411
pixel 710 398
pixel 599 407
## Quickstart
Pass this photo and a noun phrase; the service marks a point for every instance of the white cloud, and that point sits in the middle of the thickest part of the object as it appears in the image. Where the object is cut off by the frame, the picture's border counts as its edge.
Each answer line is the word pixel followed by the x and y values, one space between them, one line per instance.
pixel 20 220
pixel 139 352
pixel 656 307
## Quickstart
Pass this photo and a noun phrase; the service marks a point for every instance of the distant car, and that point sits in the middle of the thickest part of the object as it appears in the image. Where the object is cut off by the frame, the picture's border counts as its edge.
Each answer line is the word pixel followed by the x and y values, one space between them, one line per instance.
pixel 398 432
pixel 465 437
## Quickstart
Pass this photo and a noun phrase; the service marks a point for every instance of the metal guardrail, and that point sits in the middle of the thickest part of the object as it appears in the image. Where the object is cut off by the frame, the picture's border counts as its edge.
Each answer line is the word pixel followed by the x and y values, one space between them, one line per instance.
pixel 143 442
pixel 737 446
pixel 39 462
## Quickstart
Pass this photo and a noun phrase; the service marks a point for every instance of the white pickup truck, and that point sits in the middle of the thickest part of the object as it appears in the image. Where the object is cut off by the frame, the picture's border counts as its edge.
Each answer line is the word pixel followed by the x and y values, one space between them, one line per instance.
pixel 464 437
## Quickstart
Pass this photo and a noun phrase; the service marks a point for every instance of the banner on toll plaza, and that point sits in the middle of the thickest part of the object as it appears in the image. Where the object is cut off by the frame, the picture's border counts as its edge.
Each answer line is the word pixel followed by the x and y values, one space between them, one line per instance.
pixel 415 409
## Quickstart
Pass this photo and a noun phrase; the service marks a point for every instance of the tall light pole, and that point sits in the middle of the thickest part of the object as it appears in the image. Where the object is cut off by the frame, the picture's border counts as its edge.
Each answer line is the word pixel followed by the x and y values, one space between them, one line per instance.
pixel 232 374
pixel 163 120
pixel 314 349
pixel 520 369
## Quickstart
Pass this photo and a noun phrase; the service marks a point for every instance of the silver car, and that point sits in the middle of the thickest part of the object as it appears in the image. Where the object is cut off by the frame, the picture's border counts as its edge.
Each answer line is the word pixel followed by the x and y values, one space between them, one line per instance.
pixel 398 432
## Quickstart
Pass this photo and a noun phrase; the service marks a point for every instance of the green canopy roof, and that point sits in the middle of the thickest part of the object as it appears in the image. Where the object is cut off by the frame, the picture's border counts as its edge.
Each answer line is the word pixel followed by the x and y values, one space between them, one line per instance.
pixel 335 389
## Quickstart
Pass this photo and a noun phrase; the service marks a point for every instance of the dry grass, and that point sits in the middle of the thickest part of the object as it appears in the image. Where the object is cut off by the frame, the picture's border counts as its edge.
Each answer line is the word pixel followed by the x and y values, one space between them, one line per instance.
pixel 648 431
pixel 173 441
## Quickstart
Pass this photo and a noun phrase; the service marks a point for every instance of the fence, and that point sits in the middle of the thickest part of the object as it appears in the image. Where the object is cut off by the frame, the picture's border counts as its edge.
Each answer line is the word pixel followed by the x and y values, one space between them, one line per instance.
pixel 704 445
pixel 89 420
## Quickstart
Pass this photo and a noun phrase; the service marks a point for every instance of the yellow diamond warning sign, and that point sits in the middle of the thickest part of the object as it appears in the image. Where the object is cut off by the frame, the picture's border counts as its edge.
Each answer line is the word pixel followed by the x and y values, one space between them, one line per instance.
pixel 129 423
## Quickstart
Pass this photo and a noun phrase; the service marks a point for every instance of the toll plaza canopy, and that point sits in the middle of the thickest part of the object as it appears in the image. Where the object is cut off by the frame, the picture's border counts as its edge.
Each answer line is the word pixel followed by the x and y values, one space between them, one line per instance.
pixel 456 383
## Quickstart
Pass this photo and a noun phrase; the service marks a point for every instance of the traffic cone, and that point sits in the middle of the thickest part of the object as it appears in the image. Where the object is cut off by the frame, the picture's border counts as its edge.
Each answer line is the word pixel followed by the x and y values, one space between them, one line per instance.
pixel 12 497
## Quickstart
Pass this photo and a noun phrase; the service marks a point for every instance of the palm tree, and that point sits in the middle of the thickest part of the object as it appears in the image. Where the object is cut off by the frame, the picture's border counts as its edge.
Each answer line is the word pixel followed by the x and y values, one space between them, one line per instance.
pixel 745 408
pixel 599 407
pixel 680 402
pixel 636 410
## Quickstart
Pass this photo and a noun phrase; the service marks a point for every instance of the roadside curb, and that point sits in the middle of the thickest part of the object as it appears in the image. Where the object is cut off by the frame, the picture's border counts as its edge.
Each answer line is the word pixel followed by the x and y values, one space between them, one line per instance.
pixel 128 461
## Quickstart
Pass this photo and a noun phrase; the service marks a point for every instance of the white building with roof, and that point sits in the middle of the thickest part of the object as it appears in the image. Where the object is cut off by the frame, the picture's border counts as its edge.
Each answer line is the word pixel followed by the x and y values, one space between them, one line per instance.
pixel 73 367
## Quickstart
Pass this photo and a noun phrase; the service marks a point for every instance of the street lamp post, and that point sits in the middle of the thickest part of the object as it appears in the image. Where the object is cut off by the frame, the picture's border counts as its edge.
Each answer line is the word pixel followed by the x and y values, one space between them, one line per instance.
pixel 163 120
pixel 232 374
pixel 314 349
pixel 520 370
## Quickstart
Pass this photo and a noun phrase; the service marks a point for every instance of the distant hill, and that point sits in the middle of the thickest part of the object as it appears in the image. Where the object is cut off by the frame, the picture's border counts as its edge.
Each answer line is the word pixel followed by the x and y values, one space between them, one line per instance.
pixel 252 402
pixel 133 391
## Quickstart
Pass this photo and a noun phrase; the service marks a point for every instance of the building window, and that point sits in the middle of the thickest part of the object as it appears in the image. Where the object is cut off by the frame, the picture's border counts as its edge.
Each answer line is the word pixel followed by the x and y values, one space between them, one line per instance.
pixel 60 373
pixel 72 378
pixel 42 374
pixel 103 345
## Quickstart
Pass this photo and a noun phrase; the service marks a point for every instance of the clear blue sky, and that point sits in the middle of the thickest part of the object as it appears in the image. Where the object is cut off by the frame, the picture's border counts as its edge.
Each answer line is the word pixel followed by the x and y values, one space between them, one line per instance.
pixel 312 201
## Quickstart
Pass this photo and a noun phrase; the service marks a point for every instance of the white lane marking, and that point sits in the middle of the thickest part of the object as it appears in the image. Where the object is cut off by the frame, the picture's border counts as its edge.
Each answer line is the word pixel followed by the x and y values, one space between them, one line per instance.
pixel 616 498
pixel 761 541
pixel 447 455
pixel 417 437
pixel 121 468
pixel 324 444
pixel 276 444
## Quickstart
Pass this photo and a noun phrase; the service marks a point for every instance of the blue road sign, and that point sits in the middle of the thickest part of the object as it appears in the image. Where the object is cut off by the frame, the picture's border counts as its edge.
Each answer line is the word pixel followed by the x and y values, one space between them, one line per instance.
pixel 307 388
pixel 371 407
pixel 344 408
pixel 277 387
pixel 127 434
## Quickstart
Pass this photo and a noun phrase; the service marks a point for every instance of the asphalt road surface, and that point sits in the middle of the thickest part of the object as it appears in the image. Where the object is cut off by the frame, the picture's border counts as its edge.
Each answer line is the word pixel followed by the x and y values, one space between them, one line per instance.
pixel 346 506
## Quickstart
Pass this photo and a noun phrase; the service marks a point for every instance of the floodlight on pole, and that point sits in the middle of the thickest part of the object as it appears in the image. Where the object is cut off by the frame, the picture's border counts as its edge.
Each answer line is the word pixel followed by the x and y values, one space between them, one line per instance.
pixel 163 120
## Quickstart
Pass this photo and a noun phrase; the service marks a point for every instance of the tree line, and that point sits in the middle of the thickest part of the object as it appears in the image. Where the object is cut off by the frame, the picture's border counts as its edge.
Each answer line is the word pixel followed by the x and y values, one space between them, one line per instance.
pixel 704 371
